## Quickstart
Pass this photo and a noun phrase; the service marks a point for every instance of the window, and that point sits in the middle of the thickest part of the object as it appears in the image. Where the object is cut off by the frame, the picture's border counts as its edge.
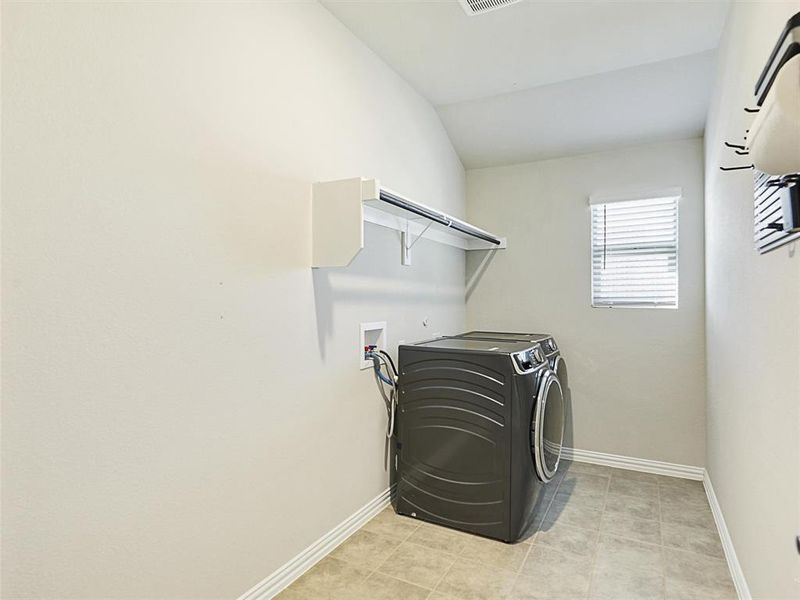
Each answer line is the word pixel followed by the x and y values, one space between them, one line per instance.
pixel 635 251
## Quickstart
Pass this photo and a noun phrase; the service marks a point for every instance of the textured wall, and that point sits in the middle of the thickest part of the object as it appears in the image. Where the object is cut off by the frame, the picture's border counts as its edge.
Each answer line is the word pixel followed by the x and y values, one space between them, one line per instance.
pixel 752 331
pixel 182 412
pixel 637 375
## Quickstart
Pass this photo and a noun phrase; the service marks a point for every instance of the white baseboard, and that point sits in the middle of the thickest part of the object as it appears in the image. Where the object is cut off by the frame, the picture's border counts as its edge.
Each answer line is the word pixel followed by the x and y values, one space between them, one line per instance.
pixel 727 543
pixel 674 470
pixel 273 584
pixel 644 465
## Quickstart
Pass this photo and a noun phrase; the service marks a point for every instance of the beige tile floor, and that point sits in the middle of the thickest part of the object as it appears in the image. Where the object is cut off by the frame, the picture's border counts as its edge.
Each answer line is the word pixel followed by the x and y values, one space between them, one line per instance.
pixel 607 533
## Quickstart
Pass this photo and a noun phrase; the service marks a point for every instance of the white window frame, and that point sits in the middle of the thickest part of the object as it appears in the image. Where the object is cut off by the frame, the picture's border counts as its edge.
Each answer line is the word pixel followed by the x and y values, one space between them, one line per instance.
pixel 626 196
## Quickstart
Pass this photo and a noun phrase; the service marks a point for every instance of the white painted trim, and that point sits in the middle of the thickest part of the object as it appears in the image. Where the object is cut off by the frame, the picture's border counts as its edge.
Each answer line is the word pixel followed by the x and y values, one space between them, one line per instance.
pixel 634 193
pixel 674 470
pixel 644 465
pixel 727 543
pixel 380 342
pixel 273 584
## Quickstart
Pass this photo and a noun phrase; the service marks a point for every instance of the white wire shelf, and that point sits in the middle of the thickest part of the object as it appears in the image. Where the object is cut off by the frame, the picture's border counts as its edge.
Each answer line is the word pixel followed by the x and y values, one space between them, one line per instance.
pixel 340 209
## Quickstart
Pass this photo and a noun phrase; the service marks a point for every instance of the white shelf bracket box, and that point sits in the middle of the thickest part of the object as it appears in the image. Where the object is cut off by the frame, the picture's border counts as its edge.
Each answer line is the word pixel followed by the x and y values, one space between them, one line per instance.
pixel 337 222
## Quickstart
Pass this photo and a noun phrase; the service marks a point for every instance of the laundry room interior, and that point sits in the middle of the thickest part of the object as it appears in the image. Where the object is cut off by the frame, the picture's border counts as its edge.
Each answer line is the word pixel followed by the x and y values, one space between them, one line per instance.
pixel 426 300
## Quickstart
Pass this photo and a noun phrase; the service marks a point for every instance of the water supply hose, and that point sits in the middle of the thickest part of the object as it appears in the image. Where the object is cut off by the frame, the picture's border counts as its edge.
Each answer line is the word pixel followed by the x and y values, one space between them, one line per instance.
pixel 379 359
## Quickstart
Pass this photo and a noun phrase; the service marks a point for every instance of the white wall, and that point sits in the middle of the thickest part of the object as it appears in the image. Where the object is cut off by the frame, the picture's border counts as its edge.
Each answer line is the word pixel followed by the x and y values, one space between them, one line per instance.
pixel 753 331
pixel 182 410
pixel 636 375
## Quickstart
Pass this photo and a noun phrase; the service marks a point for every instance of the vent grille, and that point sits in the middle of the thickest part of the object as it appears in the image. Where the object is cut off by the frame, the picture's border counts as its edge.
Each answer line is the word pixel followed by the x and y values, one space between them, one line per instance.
pixel 478 7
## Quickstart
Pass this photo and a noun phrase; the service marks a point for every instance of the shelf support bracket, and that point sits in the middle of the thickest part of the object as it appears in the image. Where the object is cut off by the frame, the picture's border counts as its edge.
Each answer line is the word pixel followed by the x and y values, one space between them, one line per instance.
pixel 405 236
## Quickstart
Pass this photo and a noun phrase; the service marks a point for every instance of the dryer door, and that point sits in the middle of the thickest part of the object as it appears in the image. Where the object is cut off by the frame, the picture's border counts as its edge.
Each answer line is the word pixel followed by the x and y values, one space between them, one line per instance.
pixel 560 369
pixel 547 428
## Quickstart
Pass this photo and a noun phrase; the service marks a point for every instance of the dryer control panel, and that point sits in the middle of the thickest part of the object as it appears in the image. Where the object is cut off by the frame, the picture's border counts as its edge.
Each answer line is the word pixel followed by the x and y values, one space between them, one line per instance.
pixel 528 360
pixel 550 345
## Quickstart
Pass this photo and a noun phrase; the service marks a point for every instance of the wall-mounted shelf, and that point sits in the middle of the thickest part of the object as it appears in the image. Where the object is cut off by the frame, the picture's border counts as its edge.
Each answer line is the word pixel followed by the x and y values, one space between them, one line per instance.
pixel 340 208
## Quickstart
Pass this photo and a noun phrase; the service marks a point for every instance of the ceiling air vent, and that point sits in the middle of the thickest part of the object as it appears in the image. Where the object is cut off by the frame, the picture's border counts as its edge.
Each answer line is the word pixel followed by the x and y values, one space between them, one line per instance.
pixel 478 7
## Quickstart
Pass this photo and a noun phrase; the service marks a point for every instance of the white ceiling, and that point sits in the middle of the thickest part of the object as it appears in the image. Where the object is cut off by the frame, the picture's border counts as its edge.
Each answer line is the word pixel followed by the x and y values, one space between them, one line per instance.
pixel 522 82
pixel 660 101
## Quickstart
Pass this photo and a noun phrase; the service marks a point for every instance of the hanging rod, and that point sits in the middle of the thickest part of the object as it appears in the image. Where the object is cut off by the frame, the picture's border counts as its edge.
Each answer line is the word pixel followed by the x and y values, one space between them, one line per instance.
pixel 339 210
pixel 441 218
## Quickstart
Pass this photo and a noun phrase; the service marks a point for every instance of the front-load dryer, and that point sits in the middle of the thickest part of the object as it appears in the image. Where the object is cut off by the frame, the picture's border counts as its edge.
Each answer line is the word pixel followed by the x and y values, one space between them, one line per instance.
pixel 554 357
pixel 479 429
pixel 547 342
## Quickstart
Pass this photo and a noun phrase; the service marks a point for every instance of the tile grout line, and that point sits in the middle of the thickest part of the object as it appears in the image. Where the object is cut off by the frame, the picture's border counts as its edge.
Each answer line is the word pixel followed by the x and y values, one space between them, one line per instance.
pixel 550 503
pixel 518 573
pixel 446 573
pixel 432 589
pixel 678 548
pixel 597 541
pixel 455 556
pixel 419 585
pixel 461 555
pixel 658 520
pixel 536 533
pixel 375 570
pixel 522 564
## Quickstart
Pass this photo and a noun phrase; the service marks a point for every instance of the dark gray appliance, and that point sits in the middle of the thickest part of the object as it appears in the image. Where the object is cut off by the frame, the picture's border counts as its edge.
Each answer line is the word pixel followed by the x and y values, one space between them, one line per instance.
pixel 479 429
pixel 554 357
pixel 547 342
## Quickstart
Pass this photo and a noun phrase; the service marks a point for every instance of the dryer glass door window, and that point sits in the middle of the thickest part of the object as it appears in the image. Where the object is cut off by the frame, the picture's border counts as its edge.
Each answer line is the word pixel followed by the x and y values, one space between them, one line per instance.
pixel 548 427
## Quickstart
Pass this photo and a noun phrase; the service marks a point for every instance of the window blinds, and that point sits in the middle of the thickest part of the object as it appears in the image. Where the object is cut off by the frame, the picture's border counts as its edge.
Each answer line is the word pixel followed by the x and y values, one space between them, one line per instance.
pixel 635 253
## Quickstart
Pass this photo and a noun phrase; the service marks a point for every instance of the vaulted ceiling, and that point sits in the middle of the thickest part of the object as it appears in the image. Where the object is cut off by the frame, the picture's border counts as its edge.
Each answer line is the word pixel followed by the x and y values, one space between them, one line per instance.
pixel 541 79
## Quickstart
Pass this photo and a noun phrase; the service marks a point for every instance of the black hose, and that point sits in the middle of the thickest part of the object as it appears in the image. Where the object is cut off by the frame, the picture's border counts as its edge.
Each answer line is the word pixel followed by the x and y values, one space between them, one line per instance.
pixel 391 362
